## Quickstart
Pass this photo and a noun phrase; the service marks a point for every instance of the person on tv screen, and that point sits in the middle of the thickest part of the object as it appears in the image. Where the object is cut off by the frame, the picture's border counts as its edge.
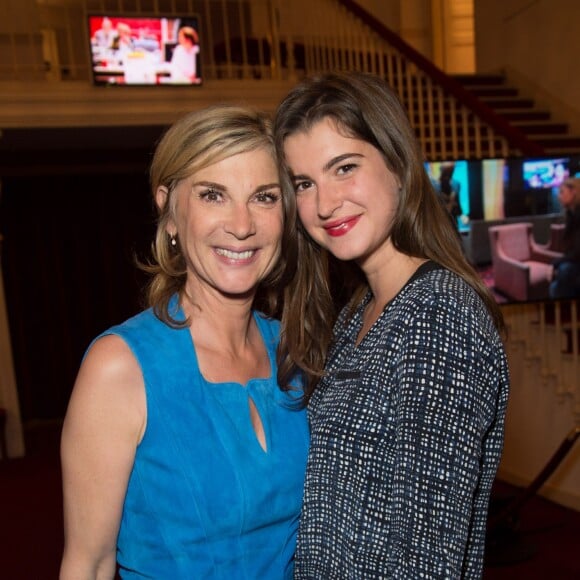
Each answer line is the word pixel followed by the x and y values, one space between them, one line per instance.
pixel 566 282
pixel 105 35
pixel 407 389
pixel 123 42
pixel 184 57
pixel 181 456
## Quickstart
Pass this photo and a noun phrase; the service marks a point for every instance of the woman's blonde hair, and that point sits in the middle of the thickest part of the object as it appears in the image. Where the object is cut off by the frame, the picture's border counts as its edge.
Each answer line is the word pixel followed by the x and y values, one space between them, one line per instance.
pixel 194 142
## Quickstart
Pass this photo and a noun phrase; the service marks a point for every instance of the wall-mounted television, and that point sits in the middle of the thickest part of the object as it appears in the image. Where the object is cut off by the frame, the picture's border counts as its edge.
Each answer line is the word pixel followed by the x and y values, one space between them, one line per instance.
pixel 144 50
pixel 545 173
pixel 510 220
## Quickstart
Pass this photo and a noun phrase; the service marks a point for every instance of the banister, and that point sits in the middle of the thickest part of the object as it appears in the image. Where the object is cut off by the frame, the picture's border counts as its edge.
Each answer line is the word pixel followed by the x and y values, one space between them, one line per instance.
pixel 513 135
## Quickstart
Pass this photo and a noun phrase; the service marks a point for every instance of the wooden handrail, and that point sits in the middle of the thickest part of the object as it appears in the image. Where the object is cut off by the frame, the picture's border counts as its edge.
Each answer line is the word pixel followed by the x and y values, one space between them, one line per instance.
pixel 500 125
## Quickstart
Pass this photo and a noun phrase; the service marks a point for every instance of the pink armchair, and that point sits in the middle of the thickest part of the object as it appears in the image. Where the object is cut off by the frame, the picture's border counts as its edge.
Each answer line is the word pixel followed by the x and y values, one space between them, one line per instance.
pixel 522 269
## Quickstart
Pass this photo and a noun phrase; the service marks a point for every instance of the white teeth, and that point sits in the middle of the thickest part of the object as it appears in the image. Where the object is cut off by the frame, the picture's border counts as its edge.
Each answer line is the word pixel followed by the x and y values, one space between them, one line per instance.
pixel 235 255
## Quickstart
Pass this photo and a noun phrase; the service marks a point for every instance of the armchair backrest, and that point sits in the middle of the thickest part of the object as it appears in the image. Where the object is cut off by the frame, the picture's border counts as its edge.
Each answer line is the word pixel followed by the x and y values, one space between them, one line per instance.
pixel 514 240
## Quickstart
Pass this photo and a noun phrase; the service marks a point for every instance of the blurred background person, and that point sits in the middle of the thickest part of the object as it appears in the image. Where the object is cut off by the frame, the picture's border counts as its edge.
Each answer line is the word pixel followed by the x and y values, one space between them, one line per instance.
pixel 448 189
pixel 566 282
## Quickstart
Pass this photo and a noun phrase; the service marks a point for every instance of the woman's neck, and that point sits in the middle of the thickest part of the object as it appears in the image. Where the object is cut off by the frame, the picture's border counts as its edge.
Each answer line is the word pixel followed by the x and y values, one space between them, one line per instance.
pixel 216 319
pixel 386 280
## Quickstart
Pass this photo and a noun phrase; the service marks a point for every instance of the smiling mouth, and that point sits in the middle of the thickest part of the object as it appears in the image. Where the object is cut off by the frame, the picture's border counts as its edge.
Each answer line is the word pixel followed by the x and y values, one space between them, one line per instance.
pixel 231 255
pixel 342 227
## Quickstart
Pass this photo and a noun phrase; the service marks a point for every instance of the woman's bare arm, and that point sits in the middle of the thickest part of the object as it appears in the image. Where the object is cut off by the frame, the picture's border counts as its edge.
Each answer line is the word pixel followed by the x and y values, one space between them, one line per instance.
pixel 104 423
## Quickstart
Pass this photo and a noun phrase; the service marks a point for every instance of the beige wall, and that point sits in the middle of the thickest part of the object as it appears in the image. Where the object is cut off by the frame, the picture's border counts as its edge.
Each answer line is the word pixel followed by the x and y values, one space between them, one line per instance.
pixel 441 30
pixel 537 43
pixel 387 11
pixel 8 391
pixel 19 16
pixel 453 35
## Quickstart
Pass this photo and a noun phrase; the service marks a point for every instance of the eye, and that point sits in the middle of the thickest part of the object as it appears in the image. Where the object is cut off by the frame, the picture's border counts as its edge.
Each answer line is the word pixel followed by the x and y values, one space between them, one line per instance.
pixel 346 168
pixel 268 197
pixel 211 195
pixel 302 185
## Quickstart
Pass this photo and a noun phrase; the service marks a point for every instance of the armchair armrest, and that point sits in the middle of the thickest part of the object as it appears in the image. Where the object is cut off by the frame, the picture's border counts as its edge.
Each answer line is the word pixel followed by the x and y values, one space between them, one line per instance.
pixel 510 276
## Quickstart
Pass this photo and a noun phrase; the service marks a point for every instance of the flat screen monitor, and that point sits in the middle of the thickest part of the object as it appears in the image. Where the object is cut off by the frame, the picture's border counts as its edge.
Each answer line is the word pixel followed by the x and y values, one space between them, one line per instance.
pixel 490 193
pixel 144 50
pixel 545 173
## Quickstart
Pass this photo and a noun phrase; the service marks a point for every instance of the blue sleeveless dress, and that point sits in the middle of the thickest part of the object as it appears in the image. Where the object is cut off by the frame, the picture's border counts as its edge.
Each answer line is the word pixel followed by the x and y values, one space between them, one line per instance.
pixel 204 499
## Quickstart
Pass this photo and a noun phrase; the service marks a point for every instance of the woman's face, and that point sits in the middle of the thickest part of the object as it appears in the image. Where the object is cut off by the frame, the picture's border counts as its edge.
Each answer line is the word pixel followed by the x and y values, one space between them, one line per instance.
pixel 345 194
pixel 567 195
pixel 229 222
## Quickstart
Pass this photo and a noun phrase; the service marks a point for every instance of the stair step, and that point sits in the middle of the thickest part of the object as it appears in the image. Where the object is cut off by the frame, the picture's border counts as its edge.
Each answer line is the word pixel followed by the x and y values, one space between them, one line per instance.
pixel 516 116
pixel 438 130
pixel 520 112
pixel 560 152
pixel 542 128
pixel 479 79
pixel 515 103
pixel 567 142
pixel 490 92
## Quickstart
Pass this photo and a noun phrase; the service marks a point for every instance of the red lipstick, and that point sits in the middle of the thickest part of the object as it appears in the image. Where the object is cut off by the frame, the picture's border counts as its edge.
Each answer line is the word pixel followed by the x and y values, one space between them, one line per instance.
pixel 341 227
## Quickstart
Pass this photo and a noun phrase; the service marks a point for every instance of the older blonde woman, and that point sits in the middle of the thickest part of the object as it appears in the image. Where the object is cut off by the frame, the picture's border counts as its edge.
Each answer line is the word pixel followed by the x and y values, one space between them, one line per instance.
pixel 181 456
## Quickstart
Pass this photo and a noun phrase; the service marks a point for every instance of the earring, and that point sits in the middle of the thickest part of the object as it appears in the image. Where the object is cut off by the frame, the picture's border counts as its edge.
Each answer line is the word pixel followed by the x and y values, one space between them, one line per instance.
pixel 173 241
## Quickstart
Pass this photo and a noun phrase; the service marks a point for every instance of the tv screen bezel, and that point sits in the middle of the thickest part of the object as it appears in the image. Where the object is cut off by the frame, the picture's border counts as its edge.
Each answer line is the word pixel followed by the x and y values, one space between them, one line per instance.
pixel 100 78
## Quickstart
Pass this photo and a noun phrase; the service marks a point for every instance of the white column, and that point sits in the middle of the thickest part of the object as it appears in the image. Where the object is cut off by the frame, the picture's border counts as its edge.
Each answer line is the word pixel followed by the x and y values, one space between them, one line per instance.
pixel 416 27
pixel 8 392
pixel 453 35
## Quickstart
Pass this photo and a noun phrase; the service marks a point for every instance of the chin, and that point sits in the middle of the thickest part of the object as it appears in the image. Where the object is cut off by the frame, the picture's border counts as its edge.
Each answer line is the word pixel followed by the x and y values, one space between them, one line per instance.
pixel 345 252
pixel 240 293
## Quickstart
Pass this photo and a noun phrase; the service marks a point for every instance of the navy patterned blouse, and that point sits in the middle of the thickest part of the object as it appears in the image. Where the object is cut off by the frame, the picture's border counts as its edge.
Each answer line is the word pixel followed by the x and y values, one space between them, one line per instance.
pixel 406 437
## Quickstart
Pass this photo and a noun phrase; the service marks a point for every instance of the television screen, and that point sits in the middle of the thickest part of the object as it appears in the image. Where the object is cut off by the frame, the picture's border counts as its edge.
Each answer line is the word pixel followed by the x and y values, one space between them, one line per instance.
pixel 511 222
pixel 160 50
pixel 545 173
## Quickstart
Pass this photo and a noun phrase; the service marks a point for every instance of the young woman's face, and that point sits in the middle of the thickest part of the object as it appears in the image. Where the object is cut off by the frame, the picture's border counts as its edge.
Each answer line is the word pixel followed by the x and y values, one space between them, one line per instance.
pixel 229 222
pixel 346 196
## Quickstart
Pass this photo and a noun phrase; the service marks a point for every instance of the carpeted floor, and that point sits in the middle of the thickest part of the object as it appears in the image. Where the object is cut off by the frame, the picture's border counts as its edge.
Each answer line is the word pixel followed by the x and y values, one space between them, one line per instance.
pixel 31 534
pixel 541 543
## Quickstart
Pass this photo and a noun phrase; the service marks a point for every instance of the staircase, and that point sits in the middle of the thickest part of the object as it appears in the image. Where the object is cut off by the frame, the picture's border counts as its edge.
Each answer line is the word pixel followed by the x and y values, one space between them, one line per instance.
pixel 537 124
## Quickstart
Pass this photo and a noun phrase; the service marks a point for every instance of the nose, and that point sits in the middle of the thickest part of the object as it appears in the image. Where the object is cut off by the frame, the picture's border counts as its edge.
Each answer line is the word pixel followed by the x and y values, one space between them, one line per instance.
pixel 240 222
pixel 328 200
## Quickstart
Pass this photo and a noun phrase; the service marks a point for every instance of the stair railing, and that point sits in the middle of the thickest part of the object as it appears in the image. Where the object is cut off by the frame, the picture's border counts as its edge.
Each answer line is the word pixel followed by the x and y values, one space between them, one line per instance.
pixel 485 121
pixel 281 41
pixel 548 335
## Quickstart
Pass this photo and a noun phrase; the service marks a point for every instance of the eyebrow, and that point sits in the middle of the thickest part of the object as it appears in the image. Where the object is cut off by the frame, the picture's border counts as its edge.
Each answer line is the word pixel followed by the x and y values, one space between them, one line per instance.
pixel 221 187
pixel 211 184
pixel 338 159
pixel 329 164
